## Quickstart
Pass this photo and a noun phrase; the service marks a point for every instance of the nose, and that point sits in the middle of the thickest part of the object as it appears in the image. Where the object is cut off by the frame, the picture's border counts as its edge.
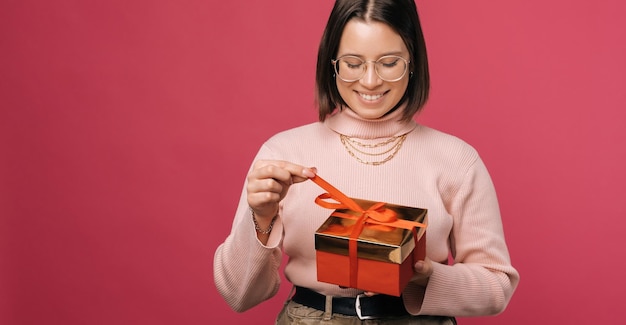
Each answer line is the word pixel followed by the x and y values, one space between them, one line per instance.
pixel 370 79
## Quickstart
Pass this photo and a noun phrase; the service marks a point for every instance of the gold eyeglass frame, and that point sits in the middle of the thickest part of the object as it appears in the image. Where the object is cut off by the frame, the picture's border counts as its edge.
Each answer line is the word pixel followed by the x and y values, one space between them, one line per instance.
pixel 406 67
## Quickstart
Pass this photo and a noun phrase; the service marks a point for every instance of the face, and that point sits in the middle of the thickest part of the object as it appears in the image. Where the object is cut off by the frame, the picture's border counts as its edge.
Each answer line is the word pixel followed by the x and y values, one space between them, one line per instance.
pixel 371 97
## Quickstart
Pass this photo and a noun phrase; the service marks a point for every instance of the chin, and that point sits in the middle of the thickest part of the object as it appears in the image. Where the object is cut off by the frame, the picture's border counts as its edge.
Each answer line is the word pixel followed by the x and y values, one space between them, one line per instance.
pixel 369 115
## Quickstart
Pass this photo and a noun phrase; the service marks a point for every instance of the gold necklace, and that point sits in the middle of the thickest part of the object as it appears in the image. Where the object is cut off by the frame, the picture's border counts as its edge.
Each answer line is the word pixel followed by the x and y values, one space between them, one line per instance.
pixel 358 150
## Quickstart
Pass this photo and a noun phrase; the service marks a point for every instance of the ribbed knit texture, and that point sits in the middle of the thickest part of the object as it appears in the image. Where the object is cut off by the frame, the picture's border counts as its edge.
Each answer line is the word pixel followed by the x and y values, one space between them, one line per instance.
pixel 432 170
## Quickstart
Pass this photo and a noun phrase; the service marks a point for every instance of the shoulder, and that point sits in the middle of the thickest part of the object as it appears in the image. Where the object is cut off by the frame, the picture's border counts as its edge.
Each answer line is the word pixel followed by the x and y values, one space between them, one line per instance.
pixel 444 153
pixel 304 133
pixel 454 160
pixel 439 142
pixel 311 128
pixel 296 143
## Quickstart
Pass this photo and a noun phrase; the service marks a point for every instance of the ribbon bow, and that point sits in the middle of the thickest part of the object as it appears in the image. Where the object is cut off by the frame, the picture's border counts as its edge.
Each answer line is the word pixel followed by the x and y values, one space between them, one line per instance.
pixel 376 214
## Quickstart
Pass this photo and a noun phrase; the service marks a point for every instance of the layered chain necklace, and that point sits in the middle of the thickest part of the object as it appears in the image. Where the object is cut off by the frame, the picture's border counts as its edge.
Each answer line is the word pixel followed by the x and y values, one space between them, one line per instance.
pixel 373 153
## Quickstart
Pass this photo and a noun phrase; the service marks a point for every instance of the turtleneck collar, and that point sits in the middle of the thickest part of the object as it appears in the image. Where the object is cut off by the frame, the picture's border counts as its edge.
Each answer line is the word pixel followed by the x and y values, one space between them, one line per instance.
pixel 347 122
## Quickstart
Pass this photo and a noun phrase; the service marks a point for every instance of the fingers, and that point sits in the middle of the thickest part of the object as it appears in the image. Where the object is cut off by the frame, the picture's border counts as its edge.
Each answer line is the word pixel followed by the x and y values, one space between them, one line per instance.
pixel 422 272
pixel 269 181
pixel 283 171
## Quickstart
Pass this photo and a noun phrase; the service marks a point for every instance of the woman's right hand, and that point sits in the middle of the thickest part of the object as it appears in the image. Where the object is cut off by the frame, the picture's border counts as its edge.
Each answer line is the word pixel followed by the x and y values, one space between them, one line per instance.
pixel 268 183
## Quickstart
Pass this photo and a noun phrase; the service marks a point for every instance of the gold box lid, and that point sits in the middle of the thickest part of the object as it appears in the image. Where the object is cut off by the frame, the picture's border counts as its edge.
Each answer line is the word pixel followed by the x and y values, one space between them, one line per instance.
pixel 375 242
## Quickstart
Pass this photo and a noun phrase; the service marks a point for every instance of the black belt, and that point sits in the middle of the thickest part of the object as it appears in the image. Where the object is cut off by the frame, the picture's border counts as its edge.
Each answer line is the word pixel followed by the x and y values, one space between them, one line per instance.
pixel 377 306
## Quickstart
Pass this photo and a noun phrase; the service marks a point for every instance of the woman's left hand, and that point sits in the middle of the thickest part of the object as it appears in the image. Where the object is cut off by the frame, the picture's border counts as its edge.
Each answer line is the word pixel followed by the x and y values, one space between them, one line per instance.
pixel 423 271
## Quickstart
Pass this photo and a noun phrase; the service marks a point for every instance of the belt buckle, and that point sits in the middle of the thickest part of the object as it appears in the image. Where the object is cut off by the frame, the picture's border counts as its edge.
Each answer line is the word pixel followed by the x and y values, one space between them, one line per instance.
pixel 357 307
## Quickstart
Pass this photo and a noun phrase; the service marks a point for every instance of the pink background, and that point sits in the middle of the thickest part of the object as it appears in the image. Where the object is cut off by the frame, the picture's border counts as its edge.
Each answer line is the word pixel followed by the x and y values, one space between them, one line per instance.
pixel 127 127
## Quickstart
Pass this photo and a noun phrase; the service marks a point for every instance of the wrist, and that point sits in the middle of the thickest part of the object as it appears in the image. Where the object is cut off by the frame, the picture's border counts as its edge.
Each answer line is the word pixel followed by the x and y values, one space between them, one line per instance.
pixel 260 227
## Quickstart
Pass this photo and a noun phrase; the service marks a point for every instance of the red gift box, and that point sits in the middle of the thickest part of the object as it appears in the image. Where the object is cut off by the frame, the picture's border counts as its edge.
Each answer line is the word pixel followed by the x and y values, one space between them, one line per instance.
pixel 371 249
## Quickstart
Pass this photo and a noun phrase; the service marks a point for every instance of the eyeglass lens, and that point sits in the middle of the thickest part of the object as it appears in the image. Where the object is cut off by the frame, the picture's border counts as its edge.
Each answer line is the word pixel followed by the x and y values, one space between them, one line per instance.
pixel 388 68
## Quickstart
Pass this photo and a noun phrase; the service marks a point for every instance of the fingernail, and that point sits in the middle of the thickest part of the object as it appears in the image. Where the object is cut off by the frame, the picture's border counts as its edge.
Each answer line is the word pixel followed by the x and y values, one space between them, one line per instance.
pixel 309 172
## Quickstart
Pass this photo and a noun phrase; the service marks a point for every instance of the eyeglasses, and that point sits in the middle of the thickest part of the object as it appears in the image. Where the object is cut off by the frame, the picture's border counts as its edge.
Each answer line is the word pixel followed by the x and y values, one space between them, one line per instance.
pixel 389 68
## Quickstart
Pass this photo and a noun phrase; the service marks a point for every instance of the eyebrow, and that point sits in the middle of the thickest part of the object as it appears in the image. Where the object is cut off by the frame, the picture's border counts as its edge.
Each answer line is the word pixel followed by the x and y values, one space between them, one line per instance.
pixel 398 53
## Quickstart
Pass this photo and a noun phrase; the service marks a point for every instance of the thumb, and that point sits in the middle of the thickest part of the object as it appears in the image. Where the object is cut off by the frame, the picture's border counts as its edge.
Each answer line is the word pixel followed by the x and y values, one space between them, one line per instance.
pixel 424 267
pixel 306 174
pixel 419 266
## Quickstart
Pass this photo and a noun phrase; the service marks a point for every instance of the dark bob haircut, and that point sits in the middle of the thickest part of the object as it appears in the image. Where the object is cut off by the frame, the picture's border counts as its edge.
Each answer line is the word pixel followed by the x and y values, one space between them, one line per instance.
pixel 401 16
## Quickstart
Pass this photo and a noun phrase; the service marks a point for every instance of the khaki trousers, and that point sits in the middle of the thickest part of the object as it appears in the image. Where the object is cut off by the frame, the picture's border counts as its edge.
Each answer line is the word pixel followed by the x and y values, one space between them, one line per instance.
pixel 295 313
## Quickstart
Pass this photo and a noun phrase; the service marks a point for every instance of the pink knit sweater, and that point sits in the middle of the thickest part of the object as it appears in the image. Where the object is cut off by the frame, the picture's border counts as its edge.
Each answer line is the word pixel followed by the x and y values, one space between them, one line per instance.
pixel 432 170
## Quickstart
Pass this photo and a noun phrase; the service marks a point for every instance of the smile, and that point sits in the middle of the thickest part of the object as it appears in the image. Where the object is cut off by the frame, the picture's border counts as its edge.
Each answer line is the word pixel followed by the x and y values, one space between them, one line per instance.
pixel 370 97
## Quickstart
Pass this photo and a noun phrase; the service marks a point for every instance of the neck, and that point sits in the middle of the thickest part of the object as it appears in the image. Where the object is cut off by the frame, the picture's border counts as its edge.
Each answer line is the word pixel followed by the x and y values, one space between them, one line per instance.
pixel 348 123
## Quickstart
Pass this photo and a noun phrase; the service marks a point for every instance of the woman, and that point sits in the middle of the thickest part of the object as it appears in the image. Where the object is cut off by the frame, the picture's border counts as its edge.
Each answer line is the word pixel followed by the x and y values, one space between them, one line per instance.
pixel 372 78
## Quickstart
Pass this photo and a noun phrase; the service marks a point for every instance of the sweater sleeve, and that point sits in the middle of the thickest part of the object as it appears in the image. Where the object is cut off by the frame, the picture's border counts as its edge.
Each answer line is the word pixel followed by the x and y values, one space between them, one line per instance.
pixel 482 280
pixel 245 271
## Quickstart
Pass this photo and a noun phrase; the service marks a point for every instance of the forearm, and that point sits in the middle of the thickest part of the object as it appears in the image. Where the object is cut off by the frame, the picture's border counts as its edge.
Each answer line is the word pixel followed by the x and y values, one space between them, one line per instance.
pixel 246 272
pixel 467 290
pixel 482 280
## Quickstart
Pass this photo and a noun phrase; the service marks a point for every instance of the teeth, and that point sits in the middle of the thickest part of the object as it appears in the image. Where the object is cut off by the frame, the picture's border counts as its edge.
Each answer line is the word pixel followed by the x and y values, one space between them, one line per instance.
pixel 371 97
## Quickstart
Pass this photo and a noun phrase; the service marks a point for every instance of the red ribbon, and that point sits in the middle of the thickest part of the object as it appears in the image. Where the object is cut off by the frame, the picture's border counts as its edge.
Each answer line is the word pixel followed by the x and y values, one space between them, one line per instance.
pixel 376 214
